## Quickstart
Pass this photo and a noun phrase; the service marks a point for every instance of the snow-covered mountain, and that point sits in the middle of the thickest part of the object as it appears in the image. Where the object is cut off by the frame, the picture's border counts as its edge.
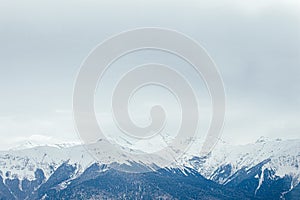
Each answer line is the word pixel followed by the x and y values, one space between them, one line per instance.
pixel 23 163
pixel 256 164
pixel 267 169
pixel 31 144
pixel 282 156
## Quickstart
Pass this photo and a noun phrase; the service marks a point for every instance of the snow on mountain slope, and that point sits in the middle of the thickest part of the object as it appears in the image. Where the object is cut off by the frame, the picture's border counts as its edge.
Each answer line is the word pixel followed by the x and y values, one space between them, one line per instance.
pixel 32 144
pixel 283 157
pixel 224 161
pixel 23 163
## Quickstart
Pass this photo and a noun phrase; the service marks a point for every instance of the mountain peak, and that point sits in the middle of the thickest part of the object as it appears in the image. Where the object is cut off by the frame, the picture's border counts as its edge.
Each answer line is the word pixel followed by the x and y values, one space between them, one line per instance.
pixel 263 139
pixel 32 144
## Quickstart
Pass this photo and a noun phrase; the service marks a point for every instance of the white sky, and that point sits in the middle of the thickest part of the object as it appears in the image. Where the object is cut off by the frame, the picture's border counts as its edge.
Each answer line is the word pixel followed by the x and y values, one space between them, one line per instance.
pixel 255 44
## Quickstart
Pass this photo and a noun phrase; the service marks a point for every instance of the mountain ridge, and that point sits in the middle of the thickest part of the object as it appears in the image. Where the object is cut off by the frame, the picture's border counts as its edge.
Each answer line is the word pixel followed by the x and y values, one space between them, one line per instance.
pixel 255 171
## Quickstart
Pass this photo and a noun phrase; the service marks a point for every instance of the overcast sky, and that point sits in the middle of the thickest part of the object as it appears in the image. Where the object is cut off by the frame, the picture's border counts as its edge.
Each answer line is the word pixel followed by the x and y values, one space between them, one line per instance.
pixel 255 44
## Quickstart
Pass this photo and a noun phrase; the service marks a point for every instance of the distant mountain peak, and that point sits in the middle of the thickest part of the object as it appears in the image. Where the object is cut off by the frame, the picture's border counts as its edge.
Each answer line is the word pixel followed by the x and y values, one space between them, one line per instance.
pixel 263 139
pixel 32 144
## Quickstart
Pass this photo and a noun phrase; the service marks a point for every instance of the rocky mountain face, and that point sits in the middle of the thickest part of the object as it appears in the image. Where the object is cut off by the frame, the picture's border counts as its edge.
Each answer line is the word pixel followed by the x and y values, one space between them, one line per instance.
pixel 263 170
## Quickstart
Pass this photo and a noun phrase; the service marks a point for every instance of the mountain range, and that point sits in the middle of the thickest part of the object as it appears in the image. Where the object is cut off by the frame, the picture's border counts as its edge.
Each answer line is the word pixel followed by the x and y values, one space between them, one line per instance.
pixel 266 169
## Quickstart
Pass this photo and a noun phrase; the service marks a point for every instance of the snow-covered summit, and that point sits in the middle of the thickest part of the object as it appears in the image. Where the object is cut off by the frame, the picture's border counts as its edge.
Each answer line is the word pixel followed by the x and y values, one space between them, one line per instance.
pixel 23 162
pixel 282 156
pixel 31 144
